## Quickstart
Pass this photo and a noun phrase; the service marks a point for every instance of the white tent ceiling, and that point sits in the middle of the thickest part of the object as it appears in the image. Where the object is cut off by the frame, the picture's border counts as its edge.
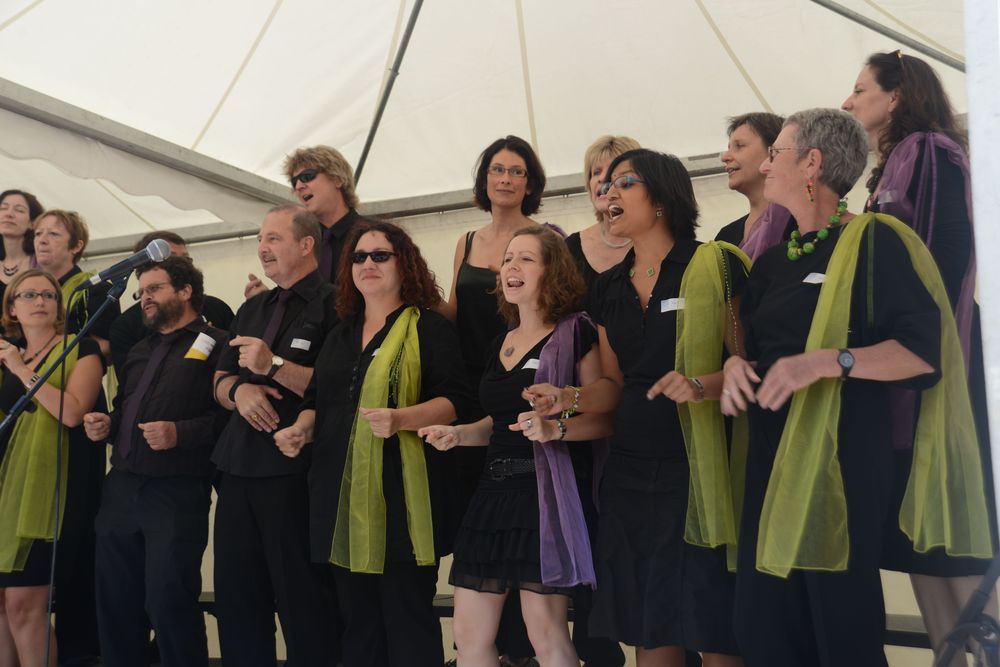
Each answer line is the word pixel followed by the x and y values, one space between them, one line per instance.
pixel 244 82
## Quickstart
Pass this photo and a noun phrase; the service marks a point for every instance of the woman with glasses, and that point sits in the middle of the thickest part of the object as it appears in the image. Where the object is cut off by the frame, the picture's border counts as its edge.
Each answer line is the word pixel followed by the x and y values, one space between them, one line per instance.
pixel 31 464
pixel 846 308
pixel 17 252
pixel 524 534
pixel 922 177
pixel 376 506
pixel 655 591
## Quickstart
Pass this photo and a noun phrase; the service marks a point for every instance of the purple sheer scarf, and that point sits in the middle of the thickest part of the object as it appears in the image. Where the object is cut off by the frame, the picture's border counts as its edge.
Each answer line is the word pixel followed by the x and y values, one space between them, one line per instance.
pixel 566 558
pixel 767 232
pixel 893 199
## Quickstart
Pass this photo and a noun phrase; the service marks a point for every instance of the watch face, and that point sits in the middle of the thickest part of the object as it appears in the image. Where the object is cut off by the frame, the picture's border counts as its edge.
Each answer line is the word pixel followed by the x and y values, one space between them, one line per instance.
pixel 845 359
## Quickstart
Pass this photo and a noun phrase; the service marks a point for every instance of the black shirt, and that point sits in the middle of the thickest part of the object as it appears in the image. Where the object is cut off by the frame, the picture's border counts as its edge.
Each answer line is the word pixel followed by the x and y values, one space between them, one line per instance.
pixel 334 393
pixel 733 232
pixel 128 329
pixel 336 237
pixel 308 317
pixel 86 305
pixel 645 344
pixel 181 392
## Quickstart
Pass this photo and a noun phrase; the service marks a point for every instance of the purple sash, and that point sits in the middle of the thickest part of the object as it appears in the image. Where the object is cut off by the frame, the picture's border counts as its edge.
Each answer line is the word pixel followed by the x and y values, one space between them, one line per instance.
pixel 767 232
pixel 566 558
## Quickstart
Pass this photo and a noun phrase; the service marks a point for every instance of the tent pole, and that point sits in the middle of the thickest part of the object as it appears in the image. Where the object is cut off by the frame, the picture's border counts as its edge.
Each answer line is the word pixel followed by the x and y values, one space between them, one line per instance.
pixel 892 34
pixel 393 73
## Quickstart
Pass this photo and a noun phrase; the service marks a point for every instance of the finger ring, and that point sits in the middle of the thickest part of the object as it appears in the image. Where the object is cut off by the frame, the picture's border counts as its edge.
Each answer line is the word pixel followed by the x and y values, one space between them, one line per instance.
pixel 727 392
pixel 255 418
pixel 527 424
pixel 531 402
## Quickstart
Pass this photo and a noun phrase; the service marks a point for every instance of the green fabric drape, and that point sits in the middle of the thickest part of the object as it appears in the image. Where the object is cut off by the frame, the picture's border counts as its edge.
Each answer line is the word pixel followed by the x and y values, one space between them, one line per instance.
pixel 27 477
pixel 713 502
pixel 359 536
pixel 803 523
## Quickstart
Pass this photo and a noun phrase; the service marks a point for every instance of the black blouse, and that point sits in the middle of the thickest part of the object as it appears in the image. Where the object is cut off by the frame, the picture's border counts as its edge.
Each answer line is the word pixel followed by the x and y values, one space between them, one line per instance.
pixel 733 232
pixel 334 393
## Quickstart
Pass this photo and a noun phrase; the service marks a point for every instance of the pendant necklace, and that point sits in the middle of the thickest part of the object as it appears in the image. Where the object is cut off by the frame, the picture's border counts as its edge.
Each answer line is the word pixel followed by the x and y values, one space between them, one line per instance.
pixel 650 272
pixel 32 357
pixel 10 271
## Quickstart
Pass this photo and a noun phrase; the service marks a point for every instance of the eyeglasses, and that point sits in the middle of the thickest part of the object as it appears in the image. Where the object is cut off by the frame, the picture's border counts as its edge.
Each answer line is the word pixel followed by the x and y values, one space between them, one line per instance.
pixel 378 256
pixel 31 295
pixel 620 183
pixel 149 289
pixel 772 152
pixel 306 175
pixel 515 172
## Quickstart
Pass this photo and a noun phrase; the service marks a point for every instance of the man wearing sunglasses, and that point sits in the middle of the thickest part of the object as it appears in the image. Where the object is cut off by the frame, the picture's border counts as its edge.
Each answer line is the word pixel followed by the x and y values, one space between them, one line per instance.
pixel 262 562
pixel 323 181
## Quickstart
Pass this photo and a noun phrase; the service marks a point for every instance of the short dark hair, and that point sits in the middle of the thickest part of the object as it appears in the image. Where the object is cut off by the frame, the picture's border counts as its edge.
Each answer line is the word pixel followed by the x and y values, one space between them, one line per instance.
pixel 669 186
pixel 418 288
pixel 35 209
pixel 536 174
pixel 182 272
pixel 765 125
pixel 169 237
pixel 561 290
pixel 304 223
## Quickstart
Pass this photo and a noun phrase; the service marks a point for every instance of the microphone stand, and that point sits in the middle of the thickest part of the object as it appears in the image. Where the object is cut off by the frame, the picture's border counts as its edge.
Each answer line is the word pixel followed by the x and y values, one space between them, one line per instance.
pixel 974 624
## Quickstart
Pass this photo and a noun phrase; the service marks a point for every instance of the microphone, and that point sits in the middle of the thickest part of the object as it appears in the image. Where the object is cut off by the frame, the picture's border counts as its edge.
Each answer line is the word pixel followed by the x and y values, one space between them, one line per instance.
pixel 157 251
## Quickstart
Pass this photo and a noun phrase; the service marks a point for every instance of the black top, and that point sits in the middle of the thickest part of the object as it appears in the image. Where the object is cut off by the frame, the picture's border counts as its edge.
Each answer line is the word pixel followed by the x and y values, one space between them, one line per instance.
pixel 337 237
pixel 478 318
pixel 951 242
pixel 781 297
pixel 733 232
pixel 11 388
pixel 128 329
pixel 575 245
pixel 87 305
pixel 334 393
pixel 308 317
pixel 645 345
pixel 181 392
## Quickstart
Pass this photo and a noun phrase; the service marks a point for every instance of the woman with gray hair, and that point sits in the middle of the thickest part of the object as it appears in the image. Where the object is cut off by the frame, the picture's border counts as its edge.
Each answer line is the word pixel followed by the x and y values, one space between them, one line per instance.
pixel 846 307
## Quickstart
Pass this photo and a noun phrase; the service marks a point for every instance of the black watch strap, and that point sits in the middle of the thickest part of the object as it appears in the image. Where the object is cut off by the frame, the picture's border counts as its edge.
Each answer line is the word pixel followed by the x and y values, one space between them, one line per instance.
pixel 846 361
pixel 232 390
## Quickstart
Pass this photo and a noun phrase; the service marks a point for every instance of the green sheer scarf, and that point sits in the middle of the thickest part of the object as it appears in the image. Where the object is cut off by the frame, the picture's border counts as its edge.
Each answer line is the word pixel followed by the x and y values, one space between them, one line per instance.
pixel 80 297
pixel 714 490
pixel 803 523
pixel 360 533
pixel 27 477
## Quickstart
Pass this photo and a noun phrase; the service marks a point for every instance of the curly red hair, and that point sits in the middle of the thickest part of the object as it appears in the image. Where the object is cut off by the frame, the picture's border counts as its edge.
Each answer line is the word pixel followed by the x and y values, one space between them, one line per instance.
pixel 418 288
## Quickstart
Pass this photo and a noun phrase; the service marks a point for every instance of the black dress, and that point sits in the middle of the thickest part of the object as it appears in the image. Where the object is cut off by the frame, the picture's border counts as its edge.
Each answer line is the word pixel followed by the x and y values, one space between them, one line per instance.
pixel 653 589
pixel 36 570
pixel 733 232
pixel 951 246
pixel 828 618
pixel 497 548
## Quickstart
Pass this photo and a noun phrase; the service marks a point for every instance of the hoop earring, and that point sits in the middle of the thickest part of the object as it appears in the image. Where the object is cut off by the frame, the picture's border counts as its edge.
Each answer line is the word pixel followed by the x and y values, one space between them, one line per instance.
pixel 809 190
pixel 659 213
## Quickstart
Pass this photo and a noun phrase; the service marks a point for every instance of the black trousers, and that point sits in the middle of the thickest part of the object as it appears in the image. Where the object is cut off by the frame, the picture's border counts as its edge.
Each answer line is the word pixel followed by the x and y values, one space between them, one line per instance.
pixel 389 618
pixel 151 535
pixel 262 566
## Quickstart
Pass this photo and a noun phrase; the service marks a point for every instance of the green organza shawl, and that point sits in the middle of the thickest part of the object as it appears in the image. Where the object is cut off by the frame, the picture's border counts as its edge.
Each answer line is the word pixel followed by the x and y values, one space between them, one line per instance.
pixel 28 476
pixel 803 523
pixel 360 533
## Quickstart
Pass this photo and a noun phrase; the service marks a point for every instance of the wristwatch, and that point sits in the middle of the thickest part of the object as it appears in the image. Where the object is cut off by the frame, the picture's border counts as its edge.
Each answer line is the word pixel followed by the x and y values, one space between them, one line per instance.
pixel 276 363
pixel 846 361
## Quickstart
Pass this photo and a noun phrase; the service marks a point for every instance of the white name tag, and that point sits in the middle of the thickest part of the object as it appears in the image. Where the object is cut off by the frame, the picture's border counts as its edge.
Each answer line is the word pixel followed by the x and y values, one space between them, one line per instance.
pixel 201 348
pixel 375 351
pixel 886 196
pixel 301 344
pixel 530 363
pixel 671 304
pixel 815 278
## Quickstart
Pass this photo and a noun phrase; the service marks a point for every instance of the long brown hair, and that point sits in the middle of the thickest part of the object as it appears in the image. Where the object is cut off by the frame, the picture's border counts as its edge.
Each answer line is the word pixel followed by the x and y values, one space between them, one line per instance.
pixel 922 106
pixel 561 290
pixel 418 286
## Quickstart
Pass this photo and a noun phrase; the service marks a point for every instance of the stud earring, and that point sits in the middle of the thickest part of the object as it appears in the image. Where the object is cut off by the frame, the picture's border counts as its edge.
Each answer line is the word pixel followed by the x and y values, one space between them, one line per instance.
pixel 659 213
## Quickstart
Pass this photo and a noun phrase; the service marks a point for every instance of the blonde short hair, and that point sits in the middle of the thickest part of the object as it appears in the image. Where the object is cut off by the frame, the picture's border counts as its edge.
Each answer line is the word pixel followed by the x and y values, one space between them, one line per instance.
pixel 331 162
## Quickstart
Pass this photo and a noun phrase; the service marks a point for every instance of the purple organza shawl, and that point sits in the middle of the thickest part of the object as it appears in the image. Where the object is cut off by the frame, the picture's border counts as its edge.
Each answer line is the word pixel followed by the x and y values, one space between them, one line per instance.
pixel 566 557
pixel 768 231
pixel 893 200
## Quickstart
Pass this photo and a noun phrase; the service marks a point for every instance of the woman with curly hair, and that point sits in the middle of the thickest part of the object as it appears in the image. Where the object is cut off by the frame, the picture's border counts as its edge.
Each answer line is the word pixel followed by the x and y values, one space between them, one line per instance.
pixel 524 532
pixel 375 488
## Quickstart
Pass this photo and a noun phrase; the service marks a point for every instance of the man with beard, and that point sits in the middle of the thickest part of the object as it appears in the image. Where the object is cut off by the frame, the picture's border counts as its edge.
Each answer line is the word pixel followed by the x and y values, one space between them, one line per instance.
pixel 152 526
pixel 323 181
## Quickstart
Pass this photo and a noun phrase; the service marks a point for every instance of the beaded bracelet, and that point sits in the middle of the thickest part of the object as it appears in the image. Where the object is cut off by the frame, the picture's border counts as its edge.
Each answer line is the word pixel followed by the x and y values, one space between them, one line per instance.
pixel 562 429
pixel 572 410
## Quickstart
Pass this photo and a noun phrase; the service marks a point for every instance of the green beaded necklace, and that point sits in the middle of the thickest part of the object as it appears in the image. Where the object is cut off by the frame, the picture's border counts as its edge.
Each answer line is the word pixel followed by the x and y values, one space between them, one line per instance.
pixel 807 248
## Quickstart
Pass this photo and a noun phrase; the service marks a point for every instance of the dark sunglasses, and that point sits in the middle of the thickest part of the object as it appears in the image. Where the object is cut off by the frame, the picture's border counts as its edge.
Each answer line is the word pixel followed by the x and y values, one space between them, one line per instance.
pixel 306 175
pixel 378 256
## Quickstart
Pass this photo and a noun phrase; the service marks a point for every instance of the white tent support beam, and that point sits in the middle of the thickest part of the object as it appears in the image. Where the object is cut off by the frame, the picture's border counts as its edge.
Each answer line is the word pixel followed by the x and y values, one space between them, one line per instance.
pixel 982 40
pixel 556 186
pixel 49 110
pixel 894 35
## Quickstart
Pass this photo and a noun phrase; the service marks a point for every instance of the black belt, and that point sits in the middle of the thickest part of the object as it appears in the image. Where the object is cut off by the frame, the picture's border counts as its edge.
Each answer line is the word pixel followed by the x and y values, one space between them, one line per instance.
pixel 501 469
